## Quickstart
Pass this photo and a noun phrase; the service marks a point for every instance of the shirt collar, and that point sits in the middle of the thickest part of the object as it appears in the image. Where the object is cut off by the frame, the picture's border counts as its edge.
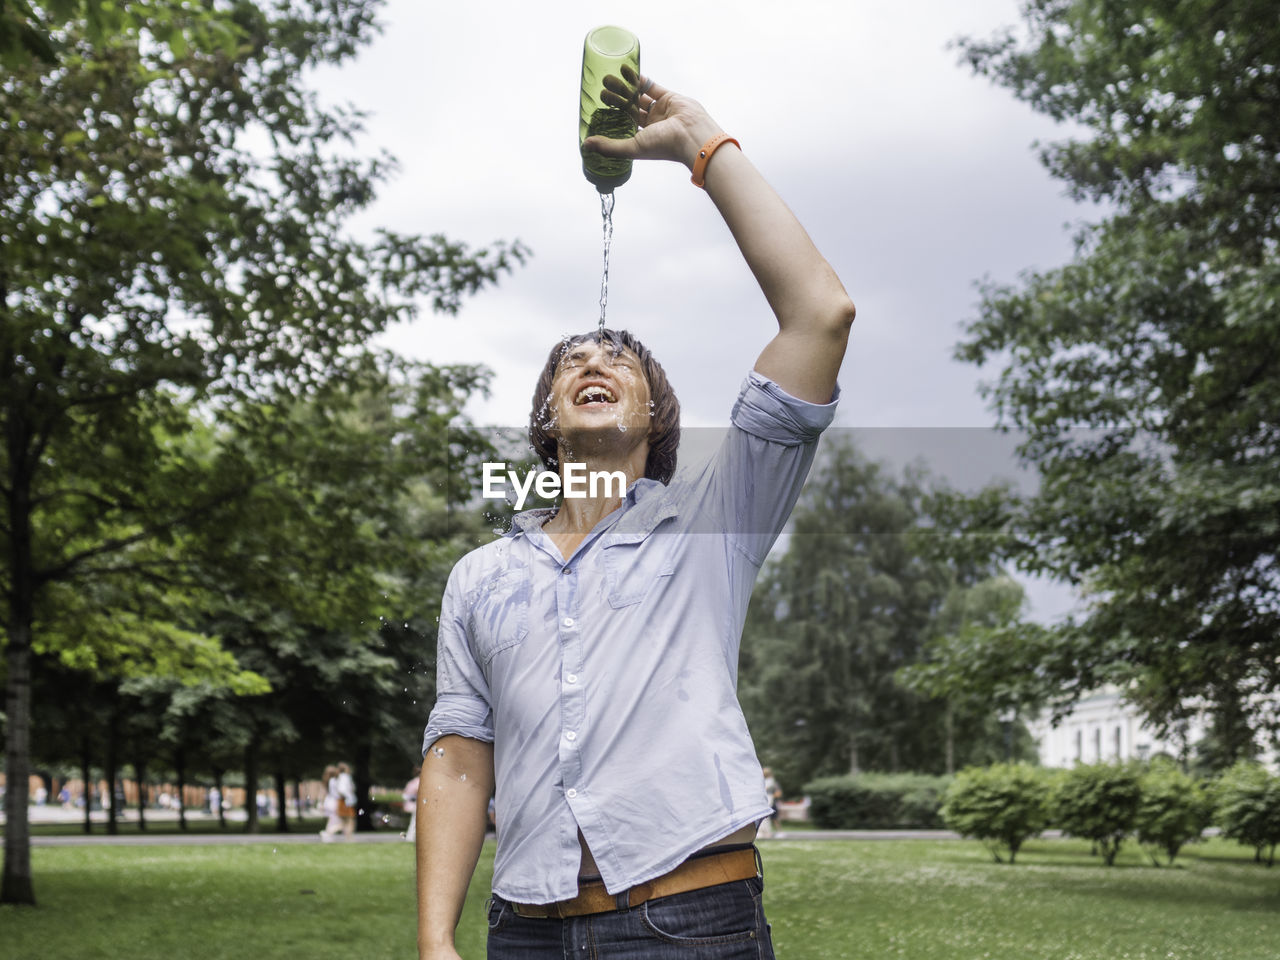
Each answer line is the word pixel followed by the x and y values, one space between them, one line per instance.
pixel 527 521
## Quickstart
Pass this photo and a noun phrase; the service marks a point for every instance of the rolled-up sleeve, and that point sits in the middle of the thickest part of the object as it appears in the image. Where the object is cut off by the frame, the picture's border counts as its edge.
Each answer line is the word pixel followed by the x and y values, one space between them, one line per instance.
pixel 462 704
pixel 765 460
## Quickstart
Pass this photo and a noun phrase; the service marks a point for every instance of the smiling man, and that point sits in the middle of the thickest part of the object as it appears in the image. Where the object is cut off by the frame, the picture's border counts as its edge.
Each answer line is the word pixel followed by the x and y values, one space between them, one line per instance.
pixel 587 662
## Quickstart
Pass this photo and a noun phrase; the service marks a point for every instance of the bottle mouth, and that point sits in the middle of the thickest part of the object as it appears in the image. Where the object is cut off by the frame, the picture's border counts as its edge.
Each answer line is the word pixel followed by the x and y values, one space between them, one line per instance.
pixel 612 41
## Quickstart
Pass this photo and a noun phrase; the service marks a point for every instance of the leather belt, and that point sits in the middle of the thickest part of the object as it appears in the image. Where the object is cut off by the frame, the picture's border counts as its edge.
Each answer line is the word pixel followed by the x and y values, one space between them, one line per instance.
pixel 706 870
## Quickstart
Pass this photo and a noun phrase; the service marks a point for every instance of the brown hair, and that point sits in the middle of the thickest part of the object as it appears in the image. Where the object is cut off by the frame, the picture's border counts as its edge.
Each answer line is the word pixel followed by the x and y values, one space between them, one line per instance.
pixel 664 436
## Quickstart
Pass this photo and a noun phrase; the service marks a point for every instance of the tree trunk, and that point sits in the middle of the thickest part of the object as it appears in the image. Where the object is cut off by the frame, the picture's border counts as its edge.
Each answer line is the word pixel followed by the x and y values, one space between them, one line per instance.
pixel 951 740
pixel 364 808
pixel 86 791
pixel 222 798
pixel 854 769
pixel 140 775
pixel 16 886
pixel 282 800
pixel 180 769
pixel 297 799
pixel 251 785
pixel 113 738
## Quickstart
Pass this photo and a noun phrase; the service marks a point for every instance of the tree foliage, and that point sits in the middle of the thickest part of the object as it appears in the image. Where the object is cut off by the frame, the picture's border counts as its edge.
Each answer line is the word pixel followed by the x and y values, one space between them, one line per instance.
pixel 1248 808
pixel 1174 811
pixel 1144 376
pixel 1099 802
pixel 173 212
pixel 1003 805
pixel 834 619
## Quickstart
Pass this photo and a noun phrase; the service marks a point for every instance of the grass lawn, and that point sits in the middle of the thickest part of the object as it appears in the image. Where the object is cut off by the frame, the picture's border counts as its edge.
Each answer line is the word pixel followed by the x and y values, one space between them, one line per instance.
pixel 917 899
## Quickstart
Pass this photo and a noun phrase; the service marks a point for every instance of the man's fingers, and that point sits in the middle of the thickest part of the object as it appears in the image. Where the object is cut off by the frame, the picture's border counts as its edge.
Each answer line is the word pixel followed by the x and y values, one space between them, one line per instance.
pixel 608 147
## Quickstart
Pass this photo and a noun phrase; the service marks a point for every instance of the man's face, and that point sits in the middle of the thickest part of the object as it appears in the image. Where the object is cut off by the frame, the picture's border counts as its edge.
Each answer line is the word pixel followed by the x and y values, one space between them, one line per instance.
pixel 600 389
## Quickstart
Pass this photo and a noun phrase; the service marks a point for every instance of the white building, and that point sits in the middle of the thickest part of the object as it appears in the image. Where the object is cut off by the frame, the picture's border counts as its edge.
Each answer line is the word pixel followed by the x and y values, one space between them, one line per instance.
pixel 1102 727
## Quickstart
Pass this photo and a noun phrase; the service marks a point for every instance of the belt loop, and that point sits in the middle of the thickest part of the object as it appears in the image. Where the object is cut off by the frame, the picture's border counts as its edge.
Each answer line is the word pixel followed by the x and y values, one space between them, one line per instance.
pixel 623 899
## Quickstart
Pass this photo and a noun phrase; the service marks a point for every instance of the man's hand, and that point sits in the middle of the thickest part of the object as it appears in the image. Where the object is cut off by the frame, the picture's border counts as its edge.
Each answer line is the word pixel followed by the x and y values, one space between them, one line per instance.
pixel 672 127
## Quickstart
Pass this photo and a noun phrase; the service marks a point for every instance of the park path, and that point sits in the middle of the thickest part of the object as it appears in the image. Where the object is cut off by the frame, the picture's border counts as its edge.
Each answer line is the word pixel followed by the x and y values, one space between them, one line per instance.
pixel 388 836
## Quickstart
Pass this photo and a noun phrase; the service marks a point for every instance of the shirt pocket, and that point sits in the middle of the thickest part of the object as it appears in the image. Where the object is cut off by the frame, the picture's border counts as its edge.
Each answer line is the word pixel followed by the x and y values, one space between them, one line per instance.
pixel 499 613
pixel 638 561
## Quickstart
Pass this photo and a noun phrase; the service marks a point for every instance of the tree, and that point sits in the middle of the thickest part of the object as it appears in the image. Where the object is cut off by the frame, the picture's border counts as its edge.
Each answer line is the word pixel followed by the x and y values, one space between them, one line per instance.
pixel 832 620
pixel 1248 808
pixel 1143 376
pixel 977 636
pixel 1174 809
pixel 1099 802
pixel 151 262
pixel 1003 805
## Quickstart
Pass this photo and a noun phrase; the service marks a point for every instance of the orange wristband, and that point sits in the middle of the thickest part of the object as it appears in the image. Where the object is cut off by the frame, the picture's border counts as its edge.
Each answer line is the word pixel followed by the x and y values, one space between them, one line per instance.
pixel 704 157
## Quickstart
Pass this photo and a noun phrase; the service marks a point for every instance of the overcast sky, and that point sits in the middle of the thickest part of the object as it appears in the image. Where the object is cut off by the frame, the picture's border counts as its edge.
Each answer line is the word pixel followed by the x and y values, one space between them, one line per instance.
pixel 915 179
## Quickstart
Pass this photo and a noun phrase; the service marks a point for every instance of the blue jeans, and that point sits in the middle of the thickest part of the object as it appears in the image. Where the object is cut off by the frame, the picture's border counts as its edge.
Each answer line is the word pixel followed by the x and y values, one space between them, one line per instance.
pixel 724 922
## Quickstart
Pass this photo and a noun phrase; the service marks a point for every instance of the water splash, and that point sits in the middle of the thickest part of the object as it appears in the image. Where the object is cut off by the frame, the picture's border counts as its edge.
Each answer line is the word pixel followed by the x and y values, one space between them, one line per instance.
pixel 438 751
pixel 606 214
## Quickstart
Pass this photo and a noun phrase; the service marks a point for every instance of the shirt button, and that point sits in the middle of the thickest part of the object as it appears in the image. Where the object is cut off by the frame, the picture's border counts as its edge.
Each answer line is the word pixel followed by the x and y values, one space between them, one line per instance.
pixel 568 621
pixel 571 678
pixel 566 570
pixel 571 735
pixel 571 793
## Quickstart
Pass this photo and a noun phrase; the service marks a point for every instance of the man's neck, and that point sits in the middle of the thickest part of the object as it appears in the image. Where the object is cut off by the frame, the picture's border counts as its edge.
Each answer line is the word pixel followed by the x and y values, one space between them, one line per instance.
pixel 577 516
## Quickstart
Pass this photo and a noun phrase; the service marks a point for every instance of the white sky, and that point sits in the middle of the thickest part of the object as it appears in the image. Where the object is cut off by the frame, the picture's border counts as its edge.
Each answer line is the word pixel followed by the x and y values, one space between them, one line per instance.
pixel 914 178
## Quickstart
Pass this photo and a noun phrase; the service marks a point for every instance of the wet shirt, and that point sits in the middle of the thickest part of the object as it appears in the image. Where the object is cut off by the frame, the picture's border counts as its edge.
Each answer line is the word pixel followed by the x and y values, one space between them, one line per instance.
pixel 607 682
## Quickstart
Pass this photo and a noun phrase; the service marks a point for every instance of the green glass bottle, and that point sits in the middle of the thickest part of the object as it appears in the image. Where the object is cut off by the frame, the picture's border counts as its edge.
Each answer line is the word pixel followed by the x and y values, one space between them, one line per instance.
pixel 604 53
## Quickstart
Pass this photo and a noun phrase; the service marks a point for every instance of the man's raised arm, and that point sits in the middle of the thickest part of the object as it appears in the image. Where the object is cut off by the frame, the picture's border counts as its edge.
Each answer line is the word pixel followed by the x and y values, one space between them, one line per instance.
pixel 814 312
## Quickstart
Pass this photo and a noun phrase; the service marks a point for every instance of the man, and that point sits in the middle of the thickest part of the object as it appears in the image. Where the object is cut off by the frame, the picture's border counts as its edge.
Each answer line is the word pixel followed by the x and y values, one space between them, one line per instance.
pixel 588 660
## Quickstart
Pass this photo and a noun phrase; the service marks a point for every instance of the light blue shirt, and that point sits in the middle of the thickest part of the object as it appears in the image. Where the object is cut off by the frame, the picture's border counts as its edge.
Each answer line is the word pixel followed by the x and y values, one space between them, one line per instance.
pixel 607 683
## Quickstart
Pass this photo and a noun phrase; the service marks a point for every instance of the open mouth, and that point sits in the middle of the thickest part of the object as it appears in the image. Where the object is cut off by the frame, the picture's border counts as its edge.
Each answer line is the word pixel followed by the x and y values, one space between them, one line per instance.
pixel 594 393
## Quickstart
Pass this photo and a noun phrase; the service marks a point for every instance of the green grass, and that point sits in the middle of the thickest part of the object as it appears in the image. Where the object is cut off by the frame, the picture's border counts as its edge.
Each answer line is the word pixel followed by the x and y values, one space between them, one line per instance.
pixel 840 900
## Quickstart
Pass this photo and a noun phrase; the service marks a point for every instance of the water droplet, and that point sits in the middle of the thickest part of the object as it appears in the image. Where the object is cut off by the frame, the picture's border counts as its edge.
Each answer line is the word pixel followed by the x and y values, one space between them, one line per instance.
pixel 622 428
pixel 403 835
pixel 438 751
pixel 462 776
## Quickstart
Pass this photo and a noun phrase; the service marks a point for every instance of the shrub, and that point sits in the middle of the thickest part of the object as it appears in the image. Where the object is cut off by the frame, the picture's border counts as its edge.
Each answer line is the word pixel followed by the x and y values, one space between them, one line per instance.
pixel 1001 805
pixel 1099 802
pixel 876 801
pixel 1174 809
pixel 1248 808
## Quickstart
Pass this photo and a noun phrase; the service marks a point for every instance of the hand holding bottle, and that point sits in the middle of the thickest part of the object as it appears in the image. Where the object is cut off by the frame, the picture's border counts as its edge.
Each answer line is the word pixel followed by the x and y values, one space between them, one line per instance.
pixel 671 125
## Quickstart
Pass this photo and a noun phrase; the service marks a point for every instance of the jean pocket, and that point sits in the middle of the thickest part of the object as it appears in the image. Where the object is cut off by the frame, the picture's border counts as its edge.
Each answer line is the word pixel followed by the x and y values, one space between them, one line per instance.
pixel 500 913
pixel 726 913
pixel 499 613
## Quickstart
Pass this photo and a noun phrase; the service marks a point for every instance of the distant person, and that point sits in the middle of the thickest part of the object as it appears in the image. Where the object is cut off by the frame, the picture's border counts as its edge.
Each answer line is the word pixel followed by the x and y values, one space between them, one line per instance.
pixel 774 793
pixel 411 806
pixel 215 801
pixel 341 790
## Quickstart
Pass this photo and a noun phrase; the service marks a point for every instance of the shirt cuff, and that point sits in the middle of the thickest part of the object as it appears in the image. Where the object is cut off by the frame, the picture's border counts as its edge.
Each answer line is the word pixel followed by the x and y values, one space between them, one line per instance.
pixel 460 716
pixel 767 411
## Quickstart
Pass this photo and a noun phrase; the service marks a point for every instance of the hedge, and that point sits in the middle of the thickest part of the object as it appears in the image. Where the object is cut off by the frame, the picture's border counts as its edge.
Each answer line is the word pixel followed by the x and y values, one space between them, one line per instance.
pixel 877 801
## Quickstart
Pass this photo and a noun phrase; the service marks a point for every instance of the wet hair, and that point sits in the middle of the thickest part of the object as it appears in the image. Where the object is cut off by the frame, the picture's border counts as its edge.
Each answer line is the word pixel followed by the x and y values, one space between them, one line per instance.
pixel 664 435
